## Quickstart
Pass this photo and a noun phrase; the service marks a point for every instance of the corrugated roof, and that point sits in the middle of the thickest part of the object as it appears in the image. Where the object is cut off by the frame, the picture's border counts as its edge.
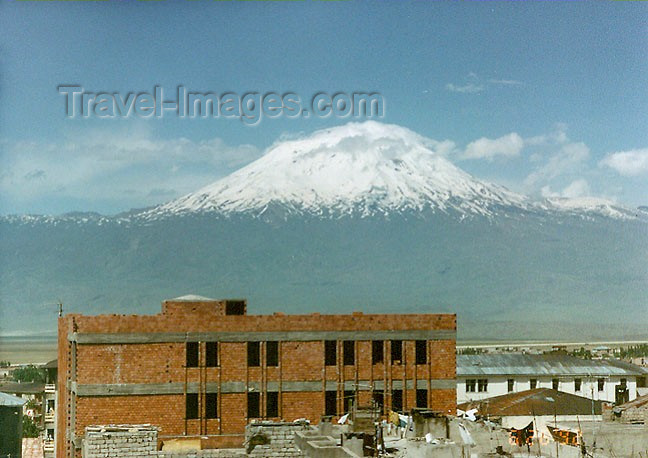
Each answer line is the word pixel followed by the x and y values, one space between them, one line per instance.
pixel 10 400
pixel 542 365
pixel 629 366
pixel 539 401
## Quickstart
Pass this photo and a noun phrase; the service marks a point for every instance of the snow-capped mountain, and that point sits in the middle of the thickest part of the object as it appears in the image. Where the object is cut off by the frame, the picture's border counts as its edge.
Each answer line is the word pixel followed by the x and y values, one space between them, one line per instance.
pixel 365 168
pixel 283 232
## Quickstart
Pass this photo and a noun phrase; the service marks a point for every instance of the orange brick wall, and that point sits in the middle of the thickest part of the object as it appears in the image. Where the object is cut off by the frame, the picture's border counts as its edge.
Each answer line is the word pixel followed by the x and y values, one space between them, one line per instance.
pixel 123 363
pixel 302 360
pixel 444 401
pixel 233 359
pixel 148 363
pixel 234 420
pixel 165 411
pixel 442 357
pixel 202 322
pixel 303 405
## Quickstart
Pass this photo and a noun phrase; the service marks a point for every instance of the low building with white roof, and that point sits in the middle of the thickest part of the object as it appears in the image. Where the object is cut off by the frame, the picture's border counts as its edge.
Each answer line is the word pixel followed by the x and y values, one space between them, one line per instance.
pixel 487 375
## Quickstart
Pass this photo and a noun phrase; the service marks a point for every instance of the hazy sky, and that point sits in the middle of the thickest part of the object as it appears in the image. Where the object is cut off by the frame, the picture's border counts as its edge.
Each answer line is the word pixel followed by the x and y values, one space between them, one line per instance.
pixel 547 98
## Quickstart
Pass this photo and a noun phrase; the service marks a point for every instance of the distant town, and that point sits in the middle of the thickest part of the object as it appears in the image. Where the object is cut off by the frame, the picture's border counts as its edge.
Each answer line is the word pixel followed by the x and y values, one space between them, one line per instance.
pixel 203 378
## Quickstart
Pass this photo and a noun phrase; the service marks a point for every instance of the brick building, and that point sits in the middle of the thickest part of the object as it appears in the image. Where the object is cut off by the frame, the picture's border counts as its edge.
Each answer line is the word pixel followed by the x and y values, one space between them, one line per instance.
pixel 205 368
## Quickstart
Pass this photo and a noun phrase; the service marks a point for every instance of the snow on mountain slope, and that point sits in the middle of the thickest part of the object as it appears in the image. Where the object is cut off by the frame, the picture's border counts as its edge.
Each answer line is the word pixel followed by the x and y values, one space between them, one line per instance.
pixel 587 206
pixel 360 169
pixel 365 168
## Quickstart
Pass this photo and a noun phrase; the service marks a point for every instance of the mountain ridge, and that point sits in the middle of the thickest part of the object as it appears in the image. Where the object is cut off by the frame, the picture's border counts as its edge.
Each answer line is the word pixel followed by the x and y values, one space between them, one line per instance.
pixel 485 253
pixel 366 169
pixel 358 169
pixel 529 270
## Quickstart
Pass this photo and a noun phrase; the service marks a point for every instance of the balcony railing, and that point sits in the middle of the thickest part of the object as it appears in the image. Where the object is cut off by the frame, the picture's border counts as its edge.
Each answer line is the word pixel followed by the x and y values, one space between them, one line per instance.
pixel 50 388
pixel 50 418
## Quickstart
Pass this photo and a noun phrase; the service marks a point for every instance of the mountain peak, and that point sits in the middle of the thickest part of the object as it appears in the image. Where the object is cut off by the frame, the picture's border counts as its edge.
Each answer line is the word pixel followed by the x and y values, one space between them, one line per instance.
pixel 363 168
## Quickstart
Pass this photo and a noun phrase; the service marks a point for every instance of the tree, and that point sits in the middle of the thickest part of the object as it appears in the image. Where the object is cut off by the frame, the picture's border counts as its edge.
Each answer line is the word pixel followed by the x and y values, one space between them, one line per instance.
pixel 581 353
pixel 29 373
pixel 633 351
pixel 470 351
pixel 30 429
pixel 32 404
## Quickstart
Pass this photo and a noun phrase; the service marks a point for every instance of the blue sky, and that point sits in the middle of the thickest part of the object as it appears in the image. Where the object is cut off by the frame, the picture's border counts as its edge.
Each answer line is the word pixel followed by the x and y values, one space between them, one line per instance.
pixel 547 98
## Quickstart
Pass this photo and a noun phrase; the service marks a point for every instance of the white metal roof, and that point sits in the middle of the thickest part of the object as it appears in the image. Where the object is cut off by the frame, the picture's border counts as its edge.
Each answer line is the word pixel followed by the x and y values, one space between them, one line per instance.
pixel 543 365
pixel 10 400
pixel 192 298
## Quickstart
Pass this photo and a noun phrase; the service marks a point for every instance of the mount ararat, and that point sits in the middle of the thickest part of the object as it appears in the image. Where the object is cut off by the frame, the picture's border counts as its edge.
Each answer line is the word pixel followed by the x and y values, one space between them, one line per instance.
pixel 365 217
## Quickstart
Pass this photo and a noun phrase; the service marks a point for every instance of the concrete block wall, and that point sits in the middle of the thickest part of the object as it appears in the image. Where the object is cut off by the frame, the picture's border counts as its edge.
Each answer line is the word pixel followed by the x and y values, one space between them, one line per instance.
pixel 133 441
pixel 315 445
pixel 281 437
pixel 116 441
pixel 635 415
pixel 224 453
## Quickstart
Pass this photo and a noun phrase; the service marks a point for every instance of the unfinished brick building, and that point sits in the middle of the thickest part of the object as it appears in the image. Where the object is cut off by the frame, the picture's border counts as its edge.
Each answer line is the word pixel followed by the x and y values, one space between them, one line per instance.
pixel 205 368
